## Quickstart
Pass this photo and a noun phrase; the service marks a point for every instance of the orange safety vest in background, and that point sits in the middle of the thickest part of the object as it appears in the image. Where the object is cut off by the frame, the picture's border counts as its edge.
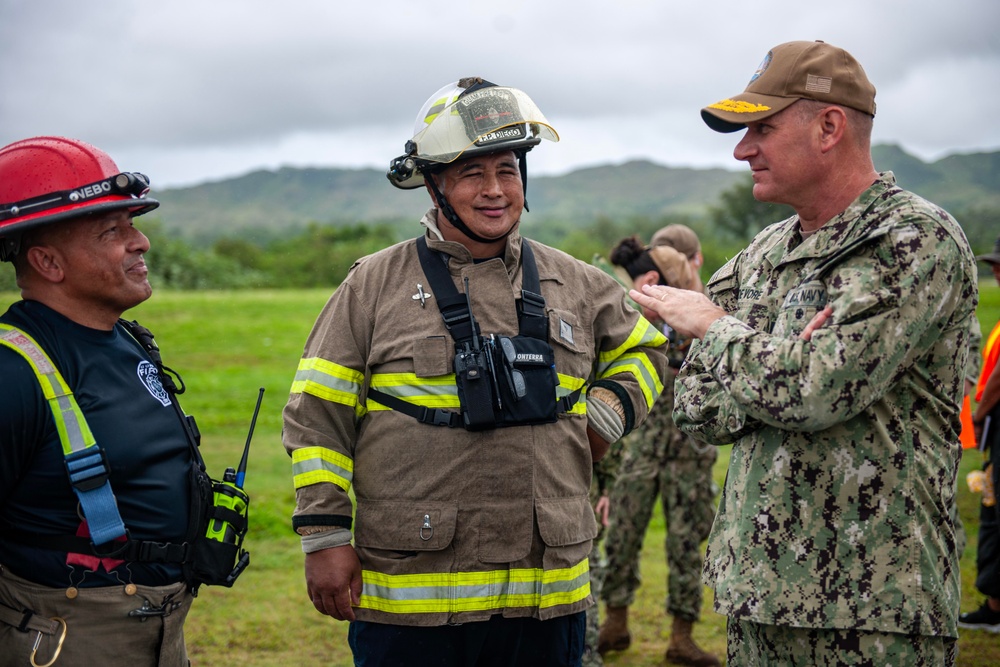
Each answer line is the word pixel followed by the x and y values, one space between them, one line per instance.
pixel 991 353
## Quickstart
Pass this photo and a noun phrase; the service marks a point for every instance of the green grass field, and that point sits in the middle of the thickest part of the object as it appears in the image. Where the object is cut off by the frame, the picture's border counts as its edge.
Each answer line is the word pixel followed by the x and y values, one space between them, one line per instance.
pixel 226 345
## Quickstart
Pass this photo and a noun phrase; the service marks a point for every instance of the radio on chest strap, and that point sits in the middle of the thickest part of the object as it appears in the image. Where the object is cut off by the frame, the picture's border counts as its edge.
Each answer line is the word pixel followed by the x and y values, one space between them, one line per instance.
pixel 501 381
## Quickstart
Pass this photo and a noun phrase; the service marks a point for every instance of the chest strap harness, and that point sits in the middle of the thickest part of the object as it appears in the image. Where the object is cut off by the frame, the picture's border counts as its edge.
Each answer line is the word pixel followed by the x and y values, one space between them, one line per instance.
pixel 87 466
pixel 479 408
pixel 86 463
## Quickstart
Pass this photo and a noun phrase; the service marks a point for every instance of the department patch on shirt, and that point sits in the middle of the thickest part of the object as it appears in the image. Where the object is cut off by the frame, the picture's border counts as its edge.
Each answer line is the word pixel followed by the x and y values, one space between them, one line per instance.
pixel 151 380
pixel 806 295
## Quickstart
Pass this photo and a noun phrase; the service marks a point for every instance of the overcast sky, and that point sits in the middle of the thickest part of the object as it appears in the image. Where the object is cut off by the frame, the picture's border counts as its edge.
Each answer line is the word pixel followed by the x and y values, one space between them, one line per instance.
pixel 189 91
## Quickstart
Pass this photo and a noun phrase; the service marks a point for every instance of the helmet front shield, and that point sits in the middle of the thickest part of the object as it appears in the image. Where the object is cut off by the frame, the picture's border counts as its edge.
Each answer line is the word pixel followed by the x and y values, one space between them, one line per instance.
pixel 487 120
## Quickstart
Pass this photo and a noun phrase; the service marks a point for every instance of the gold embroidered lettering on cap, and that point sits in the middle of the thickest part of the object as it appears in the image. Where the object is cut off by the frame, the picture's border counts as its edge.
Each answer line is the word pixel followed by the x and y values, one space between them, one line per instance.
pixel 737 106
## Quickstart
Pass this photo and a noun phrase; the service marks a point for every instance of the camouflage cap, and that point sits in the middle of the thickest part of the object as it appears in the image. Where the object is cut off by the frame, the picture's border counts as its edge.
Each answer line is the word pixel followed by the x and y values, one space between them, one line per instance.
pixel 993 257
pixel 790 72
pixel 680 237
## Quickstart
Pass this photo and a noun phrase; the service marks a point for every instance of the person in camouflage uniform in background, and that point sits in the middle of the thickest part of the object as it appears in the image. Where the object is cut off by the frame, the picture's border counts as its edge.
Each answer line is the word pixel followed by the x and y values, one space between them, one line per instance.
pixel 832 355
pixel 604 475
pixel 660 460
pixel 600 486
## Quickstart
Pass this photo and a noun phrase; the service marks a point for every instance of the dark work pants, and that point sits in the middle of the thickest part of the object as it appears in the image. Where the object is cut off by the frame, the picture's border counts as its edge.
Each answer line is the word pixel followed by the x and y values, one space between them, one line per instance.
pixel 988 552
pixel 498 642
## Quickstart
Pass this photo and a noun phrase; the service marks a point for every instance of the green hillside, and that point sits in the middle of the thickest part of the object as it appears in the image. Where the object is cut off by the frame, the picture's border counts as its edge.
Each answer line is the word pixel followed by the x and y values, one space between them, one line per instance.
pixel 637 188
pixel 271 203
pixel 956 182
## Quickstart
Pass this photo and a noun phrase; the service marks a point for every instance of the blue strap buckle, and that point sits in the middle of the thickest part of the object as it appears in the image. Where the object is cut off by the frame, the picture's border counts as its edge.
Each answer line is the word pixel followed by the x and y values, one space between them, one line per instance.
pixel 88 473
pixel 88 469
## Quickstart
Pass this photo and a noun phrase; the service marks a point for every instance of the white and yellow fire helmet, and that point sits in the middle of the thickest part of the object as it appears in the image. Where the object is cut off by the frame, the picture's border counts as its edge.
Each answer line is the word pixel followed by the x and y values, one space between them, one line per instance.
pixel 465 118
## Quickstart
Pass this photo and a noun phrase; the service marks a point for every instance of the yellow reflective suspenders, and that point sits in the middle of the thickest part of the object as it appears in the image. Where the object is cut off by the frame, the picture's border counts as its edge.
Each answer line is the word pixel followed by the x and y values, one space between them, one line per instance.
pixel 85 460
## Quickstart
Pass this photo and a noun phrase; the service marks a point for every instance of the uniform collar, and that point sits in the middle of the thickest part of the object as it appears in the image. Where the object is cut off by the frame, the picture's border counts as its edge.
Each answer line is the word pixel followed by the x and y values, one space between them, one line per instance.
pixel 847 226
pixel 461 254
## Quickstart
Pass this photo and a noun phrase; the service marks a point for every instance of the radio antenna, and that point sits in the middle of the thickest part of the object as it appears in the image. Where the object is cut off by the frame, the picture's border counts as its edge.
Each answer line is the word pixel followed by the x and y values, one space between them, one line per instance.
pixel 241 472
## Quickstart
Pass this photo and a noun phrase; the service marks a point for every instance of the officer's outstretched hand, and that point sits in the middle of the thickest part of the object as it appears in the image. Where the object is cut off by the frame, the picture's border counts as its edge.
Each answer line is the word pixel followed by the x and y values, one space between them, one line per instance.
pixel 333 580
pixel 690 313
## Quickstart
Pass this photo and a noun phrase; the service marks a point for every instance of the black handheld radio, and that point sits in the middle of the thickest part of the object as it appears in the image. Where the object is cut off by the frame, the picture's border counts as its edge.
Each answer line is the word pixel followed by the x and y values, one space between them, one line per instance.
pixel 229 517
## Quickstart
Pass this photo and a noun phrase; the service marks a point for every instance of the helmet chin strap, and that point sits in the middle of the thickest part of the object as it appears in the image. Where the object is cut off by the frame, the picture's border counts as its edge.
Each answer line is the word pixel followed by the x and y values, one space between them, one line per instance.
pixel 453 218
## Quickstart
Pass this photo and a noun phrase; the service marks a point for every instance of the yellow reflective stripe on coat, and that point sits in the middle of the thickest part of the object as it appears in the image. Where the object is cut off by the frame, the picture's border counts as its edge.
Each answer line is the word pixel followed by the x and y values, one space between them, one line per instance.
pixel 74 433
pixel 639 366
pixel 441 391
pixel 621 360
pixel 432 392
pixel 454 592
pixel 328 381
pixel 312 465
pixel 567 385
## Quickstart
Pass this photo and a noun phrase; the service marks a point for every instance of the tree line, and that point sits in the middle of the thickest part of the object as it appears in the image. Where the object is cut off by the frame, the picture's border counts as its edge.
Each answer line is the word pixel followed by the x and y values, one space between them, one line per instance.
pixel 320 255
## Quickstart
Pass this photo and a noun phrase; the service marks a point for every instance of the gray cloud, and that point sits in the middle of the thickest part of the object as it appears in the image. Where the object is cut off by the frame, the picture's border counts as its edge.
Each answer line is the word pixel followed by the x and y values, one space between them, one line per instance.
pixel 190 91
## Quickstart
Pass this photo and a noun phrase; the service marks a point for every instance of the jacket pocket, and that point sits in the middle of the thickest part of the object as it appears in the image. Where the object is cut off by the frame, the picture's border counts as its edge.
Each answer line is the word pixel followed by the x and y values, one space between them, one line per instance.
pixel 412 525
pixel 565 331
pixel 505 530
pixel 801 304
pixel 565 521
pixel 433 356
pixel 571 343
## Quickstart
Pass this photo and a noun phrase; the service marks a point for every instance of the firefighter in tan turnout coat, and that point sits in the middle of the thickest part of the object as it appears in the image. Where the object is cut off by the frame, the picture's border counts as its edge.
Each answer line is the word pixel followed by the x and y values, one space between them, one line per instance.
pixel 461 385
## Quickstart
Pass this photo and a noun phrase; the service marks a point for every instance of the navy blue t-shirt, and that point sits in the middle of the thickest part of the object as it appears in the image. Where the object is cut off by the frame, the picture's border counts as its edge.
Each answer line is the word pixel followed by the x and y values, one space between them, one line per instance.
pixel 133 420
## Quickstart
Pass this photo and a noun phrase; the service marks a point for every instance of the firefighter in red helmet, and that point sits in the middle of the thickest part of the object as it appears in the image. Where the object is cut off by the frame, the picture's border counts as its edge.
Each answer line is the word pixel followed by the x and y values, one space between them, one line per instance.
pixel 48 179
pixel 95 502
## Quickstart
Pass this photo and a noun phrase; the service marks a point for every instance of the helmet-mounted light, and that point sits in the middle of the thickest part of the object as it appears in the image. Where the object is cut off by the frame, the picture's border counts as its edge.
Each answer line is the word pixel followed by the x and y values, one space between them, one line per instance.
pixel 129 184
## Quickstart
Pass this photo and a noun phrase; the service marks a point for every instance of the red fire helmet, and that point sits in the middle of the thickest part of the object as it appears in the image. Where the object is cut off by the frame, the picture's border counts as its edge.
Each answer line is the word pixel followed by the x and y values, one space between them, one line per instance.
pixel 47 179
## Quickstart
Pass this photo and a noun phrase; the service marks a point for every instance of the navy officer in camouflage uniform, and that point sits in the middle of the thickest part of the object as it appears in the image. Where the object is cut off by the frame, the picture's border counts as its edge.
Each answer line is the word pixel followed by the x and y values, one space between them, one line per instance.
pixel 831 354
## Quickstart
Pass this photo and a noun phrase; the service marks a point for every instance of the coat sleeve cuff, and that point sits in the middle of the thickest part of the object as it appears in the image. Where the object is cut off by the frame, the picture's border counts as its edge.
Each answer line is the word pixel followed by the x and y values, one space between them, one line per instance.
pixel 327 539
pixel 605 414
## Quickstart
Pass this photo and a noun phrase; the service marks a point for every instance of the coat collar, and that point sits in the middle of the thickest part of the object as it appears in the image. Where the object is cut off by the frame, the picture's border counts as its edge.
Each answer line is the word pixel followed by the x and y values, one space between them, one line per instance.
pixel 459 254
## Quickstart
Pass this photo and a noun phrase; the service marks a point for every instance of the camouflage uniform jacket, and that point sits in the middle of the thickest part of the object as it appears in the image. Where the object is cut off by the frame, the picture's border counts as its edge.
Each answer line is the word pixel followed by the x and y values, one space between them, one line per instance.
pixel 453 526
pixel 837 509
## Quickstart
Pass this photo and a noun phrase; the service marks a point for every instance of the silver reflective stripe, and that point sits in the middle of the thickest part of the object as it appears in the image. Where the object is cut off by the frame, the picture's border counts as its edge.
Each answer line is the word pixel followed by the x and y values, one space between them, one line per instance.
pixel 312 465
pixel 475 591
pixel 326 380
pixel 71 416
pixel 436 392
